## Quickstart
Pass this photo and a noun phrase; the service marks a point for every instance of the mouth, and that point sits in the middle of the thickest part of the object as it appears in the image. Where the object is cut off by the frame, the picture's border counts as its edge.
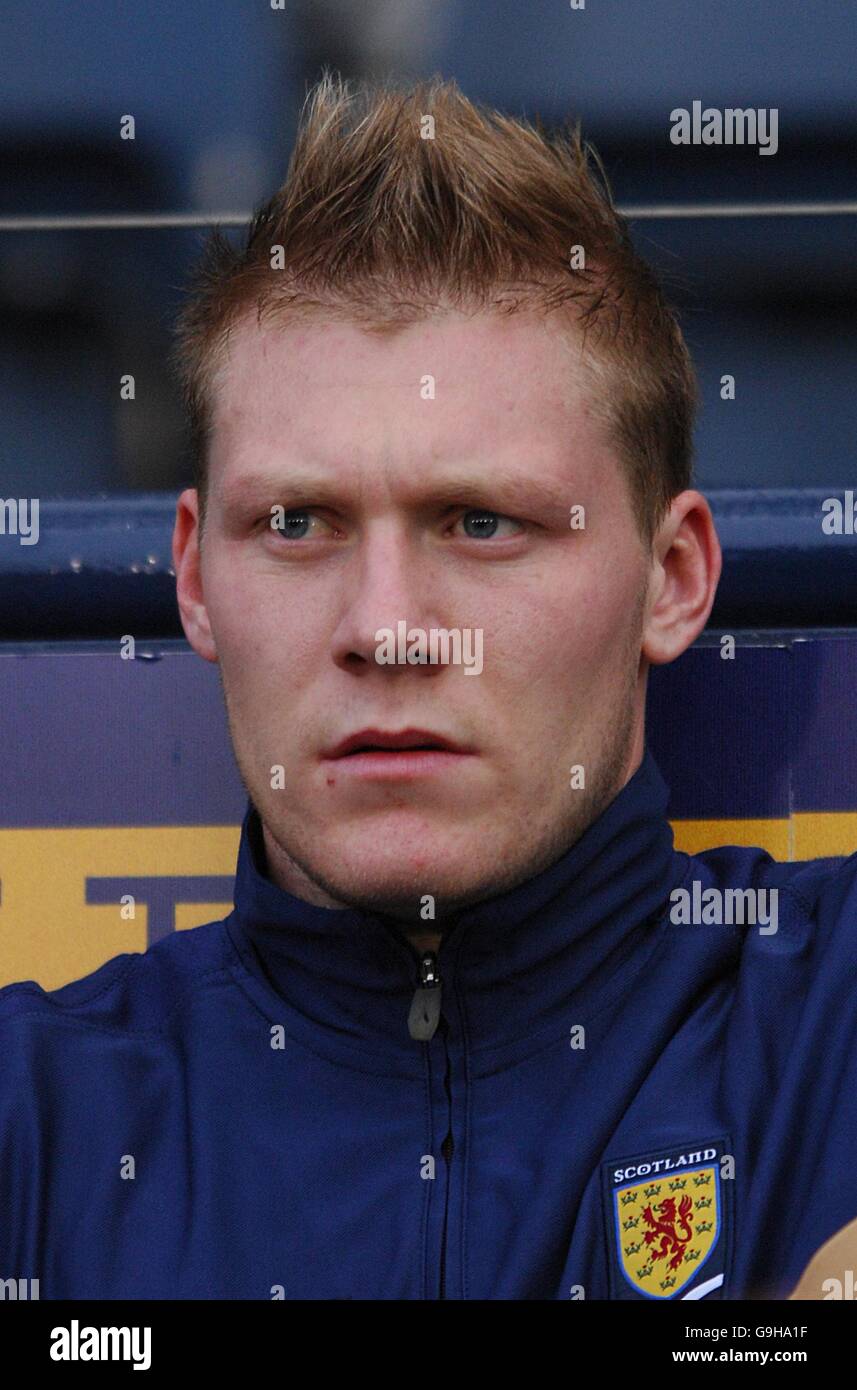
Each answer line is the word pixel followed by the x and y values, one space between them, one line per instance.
pixel 404 754
pixel 380 741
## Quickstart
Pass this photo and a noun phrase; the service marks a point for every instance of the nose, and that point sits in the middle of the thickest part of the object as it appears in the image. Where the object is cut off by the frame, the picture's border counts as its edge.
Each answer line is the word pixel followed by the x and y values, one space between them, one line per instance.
pixel 388 582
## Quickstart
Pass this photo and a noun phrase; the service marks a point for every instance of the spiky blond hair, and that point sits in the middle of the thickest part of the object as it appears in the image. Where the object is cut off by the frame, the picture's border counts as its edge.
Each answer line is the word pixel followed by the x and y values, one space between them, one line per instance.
pixel 386 216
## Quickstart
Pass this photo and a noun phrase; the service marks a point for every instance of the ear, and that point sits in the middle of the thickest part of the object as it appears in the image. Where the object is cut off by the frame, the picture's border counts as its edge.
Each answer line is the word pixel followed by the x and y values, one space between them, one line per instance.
pixel 187 565
pixel 686 564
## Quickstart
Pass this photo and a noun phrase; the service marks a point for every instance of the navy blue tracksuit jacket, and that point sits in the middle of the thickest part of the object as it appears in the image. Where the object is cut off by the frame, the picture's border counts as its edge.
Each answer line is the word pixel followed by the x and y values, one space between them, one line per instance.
pixel 612 1105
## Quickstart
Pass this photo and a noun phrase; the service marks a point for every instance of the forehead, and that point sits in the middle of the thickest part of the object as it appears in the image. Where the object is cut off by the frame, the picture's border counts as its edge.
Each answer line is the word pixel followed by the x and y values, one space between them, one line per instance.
pixel 452 386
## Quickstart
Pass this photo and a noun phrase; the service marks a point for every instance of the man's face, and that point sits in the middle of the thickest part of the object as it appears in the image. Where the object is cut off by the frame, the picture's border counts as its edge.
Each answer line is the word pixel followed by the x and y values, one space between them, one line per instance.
pixel 440 504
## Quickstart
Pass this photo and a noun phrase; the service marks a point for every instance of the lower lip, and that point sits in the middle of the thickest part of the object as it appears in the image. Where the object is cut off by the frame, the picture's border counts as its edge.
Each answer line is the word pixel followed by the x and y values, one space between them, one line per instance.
pixel 399 765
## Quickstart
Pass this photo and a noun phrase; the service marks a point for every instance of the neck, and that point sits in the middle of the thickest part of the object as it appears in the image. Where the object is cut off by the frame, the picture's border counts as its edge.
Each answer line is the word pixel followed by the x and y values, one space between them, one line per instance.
pixel 422 940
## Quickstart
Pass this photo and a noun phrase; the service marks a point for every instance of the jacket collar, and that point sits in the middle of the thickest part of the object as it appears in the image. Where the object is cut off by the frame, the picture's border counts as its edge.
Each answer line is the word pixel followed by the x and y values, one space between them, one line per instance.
pixel 513 968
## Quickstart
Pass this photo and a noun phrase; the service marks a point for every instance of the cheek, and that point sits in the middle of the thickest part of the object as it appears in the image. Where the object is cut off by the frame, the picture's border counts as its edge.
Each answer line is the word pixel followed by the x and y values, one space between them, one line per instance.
pixel 250 615
pixel 575 638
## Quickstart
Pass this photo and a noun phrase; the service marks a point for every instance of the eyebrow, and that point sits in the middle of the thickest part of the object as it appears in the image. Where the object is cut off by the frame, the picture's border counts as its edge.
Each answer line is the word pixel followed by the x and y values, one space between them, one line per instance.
pixel 252 489
pixel 304 488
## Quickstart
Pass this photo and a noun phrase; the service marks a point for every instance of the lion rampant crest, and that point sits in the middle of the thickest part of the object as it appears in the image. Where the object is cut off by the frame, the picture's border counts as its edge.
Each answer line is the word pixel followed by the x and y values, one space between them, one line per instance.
pixel 663 1228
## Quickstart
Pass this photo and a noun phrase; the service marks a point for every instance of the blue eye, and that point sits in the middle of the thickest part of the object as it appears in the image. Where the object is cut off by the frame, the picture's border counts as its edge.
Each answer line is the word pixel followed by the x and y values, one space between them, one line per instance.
pixel 484 525
pixel 294 525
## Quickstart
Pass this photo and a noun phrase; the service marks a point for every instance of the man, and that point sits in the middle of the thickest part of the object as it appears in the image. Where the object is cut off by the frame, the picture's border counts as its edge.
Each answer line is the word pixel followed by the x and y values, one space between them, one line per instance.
pixel 468 1032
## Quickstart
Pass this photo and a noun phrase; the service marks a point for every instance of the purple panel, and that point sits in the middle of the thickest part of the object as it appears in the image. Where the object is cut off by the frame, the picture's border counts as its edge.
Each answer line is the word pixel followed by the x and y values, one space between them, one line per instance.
pixel 825 734
pixel 90 739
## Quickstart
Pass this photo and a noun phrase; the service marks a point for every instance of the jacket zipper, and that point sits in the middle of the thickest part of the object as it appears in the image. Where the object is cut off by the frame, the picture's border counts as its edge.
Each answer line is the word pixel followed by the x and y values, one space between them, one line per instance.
pixel 423 1021
pixel 447 1148
pixel 425 1005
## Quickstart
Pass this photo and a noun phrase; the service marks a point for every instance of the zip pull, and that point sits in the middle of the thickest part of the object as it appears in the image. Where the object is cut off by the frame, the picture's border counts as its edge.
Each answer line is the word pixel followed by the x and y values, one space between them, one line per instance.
pixel 425 1006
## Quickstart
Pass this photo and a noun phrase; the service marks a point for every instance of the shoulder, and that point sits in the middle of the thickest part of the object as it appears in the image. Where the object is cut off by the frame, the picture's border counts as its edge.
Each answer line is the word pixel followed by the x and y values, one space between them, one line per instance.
pixel 809 903
pixel 131 994
pixel 93 1062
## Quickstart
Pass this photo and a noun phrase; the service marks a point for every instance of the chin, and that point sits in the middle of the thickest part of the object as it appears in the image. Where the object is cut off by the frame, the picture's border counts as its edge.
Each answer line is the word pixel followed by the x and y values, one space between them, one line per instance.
pixel 401 867
pixel 382 875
